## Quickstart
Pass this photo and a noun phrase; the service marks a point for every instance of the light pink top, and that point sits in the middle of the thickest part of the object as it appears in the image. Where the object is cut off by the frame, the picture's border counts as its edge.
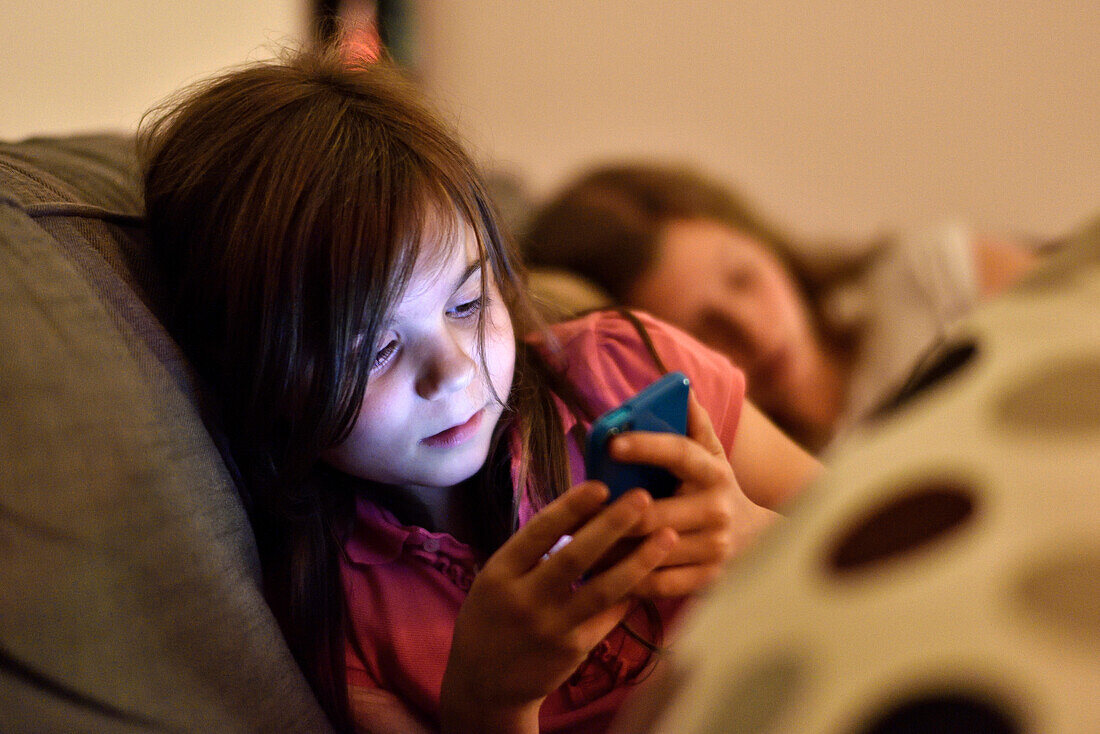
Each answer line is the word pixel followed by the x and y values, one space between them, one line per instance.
pixel 405 584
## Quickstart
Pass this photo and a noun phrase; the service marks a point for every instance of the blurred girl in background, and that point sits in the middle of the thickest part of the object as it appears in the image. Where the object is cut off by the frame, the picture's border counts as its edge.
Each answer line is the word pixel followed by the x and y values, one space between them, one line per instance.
pixel 822 341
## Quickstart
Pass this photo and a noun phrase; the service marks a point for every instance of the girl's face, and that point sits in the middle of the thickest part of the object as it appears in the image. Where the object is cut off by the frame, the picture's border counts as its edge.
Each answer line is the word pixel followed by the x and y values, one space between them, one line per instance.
pixel 733 294
pixel 430 407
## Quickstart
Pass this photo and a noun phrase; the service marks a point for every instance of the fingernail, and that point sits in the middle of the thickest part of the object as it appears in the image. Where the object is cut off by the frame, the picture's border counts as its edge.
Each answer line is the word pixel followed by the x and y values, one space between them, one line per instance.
pixel 562 542
pixel 620 445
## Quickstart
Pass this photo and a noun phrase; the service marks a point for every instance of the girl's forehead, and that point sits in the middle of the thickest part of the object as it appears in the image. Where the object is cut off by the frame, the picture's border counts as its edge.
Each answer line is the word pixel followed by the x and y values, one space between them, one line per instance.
pixel 712 242
pixel 447 250
pixel 445 240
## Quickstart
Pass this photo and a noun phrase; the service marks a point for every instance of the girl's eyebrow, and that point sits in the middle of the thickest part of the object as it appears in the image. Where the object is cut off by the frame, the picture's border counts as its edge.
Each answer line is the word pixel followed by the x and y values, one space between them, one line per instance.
pixel 470 270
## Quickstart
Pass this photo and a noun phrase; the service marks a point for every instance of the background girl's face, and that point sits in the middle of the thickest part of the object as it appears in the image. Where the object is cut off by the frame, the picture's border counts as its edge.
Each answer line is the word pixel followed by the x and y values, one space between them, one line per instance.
pixel 430 407
pixel 733 294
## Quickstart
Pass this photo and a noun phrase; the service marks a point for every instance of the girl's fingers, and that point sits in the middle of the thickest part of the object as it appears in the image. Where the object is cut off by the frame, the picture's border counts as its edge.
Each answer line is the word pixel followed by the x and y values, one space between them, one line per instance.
pixel 696 548
pixel 524 550
pixel 592 540
pixel 700 427
pixel 611 586
pixel 676 581
pixel 696 510
pixel 604 620
pixel 686 458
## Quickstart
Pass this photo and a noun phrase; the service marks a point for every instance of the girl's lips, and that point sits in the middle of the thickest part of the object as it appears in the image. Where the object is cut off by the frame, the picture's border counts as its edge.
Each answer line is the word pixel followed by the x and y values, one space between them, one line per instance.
pixel 456 434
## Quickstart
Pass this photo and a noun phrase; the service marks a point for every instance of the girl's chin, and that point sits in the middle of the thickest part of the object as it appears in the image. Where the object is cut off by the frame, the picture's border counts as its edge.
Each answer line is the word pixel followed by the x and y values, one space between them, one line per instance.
pixel 446 474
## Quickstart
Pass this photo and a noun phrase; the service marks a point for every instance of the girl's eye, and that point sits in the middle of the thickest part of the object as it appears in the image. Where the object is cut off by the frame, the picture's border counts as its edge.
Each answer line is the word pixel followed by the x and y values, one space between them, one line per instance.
pixel 383 355
pixel 469 308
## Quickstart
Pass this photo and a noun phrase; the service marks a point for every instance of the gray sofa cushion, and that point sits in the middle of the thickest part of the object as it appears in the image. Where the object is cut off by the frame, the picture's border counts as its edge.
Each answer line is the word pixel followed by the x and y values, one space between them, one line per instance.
pixel 129 584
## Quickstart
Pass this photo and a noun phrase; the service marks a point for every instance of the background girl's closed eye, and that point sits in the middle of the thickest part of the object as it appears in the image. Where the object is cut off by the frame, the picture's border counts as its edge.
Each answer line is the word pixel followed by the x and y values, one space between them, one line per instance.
pixel 340 282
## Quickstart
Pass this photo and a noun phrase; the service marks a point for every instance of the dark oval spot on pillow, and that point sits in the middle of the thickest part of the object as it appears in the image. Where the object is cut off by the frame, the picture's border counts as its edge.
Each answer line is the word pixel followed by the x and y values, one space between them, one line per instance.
pixel 914 518
pixel 1059 398
pixel 1061 594
pixel 938 366
pixel 948 713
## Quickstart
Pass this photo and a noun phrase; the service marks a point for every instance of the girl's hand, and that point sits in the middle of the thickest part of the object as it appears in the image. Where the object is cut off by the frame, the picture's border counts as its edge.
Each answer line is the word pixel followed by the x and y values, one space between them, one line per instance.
pixel 713 517
pixel 527 624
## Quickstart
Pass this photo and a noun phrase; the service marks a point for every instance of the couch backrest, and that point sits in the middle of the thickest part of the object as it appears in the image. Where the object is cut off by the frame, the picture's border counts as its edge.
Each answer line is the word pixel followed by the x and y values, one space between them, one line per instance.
pixel 129 582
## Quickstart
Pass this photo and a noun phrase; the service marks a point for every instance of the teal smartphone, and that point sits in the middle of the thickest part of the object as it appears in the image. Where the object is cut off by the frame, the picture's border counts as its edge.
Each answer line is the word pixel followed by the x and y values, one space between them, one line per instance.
pixel 662 407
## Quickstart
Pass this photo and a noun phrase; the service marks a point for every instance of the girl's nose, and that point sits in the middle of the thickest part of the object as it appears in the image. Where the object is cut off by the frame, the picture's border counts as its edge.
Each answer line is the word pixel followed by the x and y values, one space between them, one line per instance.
pixel 450 369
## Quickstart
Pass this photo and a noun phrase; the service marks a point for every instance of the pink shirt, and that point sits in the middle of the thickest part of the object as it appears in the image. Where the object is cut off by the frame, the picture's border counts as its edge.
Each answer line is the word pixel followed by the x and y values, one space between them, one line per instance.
pixel 405 584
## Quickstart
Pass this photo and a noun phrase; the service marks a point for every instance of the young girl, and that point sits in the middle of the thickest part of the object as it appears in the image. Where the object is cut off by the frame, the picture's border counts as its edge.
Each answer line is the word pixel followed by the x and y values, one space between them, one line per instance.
pixel 337 276
pixel 674 242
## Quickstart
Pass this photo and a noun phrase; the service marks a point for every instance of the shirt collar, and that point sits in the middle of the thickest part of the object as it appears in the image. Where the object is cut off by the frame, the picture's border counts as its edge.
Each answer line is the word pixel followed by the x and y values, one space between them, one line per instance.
pixel 377 536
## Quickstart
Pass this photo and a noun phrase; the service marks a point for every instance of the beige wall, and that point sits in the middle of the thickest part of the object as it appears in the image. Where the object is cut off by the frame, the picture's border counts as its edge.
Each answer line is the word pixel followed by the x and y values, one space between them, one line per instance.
pixel 837 117
pixel 74 65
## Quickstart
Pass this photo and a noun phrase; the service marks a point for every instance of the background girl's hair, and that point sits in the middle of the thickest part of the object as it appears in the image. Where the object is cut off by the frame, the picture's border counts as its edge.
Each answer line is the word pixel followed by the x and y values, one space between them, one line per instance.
pixel 286 204
pixel 608 223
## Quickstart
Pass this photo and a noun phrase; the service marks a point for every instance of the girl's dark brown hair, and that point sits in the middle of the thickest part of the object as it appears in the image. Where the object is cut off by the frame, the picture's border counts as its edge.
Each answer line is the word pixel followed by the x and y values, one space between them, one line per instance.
pixel 286 202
